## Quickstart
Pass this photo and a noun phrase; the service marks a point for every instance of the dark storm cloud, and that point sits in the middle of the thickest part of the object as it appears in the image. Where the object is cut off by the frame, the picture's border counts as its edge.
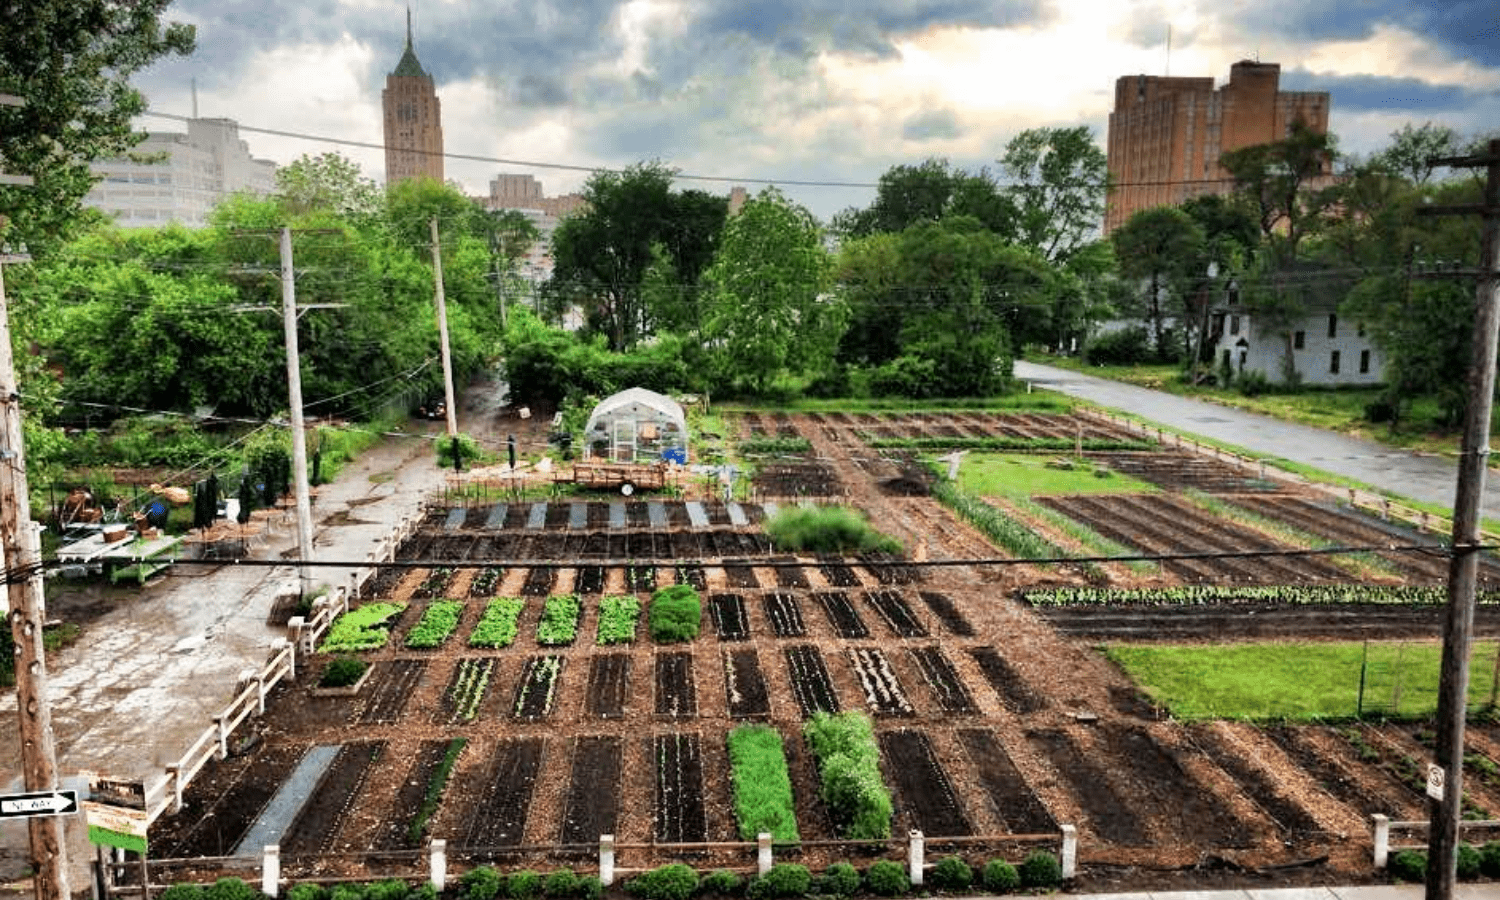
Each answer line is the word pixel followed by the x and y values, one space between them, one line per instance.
pixel 1468 28
pixel 1364 93
pixel 935 123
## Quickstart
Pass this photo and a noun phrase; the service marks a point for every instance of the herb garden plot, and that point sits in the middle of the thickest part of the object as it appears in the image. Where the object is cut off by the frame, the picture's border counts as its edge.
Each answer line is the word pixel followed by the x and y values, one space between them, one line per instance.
pixel 745 686
pixel 384 696
pixel 397 831
pixel 692 575
pixel 486 582
pixel 592 804
pixel 466 690
pixel 675 694
pixel 1110 816
pixel 609 676
pixel 842 614
pixel 896 614
pixel 328 808
pixel 1180 471
pixel 640 578
pixel 497 816
pixel 537 690
pixel 1288 815
pixel 944 681
pixel 740 575
pixel 679 789
pixel 789 576
pixel 942 606
pixel 883 693
pixel 784 614
pixel 797 480
pixel 922 788
pixel 435 584
pixel 811 686
pixel 590 580
pixel 1013 691
pixel 1168 793
pixel 1013 801
pixel 539 581
pixel 730 621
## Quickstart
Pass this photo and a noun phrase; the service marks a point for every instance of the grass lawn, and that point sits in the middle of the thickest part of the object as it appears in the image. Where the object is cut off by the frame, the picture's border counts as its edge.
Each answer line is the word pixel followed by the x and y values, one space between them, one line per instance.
pixel 1298 680
pixel 1026 475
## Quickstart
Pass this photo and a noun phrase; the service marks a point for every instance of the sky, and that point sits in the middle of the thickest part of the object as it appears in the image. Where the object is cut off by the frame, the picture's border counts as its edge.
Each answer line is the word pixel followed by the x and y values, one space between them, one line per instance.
pixel 799 90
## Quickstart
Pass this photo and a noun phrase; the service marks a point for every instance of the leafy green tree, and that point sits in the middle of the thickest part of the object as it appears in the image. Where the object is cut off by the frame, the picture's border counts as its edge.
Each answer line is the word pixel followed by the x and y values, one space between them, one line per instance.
pixel 1162 248
pixel 907 195
pixel 1412 149
pixel 1282 181
pixel 765 309
pixel 1058 180
pixel 71 60
pixel 328 182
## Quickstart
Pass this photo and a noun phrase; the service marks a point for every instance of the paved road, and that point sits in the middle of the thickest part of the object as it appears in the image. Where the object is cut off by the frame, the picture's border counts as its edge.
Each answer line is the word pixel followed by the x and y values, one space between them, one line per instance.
pixel 1427 478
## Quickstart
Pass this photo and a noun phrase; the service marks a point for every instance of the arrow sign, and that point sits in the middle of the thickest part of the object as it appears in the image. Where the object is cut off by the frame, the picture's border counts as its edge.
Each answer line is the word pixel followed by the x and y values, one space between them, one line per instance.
pixel 45 803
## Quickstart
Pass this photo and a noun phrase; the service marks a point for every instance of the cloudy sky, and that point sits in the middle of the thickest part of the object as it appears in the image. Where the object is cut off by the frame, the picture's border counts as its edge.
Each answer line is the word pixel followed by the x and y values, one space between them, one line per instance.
pixel 804 90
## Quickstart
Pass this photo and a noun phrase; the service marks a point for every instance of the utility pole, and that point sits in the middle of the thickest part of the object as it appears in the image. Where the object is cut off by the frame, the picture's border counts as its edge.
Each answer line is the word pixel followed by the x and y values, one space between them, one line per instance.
pixel 294 399
pixel 1458 624
pixel 442 317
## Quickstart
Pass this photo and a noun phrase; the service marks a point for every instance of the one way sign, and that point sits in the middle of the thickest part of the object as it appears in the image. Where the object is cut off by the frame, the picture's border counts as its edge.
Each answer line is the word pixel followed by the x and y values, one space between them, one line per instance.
pixel 45 803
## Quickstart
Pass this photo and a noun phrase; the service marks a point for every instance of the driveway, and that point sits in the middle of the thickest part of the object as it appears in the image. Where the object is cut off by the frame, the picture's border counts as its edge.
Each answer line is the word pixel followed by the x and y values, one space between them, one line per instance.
pixel 1430 479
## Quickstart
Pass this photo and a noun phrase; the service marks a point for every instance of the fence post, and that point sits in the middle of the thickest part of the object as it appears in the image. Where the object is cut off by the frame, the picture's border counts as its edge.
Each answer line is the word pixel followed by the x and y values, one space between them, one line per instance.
pixel 437 864
pixel 176 775
pixel 1385 508
pixel 270 871
pixel 1069 851
pixel 914 851
pixel 1382 840
pixel 223 738
pixel 606 859
pixel 762 853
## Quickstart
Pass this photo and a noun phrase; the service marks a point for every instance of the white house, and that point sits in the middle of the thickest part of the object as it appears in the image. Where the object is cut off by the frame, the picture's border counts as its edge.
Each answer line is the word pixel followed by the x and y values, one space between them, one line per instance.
pixel 1327 349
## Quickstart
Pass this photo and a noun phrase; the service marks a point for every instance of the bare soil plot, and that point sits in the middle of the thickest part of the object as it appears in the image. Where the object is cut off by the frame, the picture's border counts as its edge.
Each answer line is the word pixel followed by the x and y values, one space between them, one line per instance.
pixel 679 788
pixel 1014 692
pixel 387 691
pixel 842 614
pixel 897 615
pixel 497 814
pixel 745 685
pixel 313 830
pixel 923 790
pixel 609 676
pixel 395 833
pixel 592 804
pixel 943 681
pixel 1013 802
pixel 883 692
pixel 784 614
pixel 676 697
pixel 943 607
pixel 811 686
pixel 728 613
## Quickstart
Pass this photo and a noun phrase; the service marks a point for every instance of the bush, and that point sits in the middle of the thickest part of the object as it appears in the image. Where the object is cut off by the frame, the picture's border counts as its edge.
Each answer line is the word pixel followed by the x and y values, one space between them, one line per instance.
pixel 295 892
pixel 523 885
pixel 839 879
pixel 1408 865
pixel 887 878
pixel 423 891
pixel 675 614
pixel 1000 877
pixel 183 892
pixel 231 889
pixel 482 883
pixel 590 887
pixel 562 883
pixel 1040 869
pixel 827 529
pixel 674 881
pixel 468 449
pixel 1489 859
pixel 849 771
pixel 1253 384
pixel 1126 347
pixel 722 882
pixel 347 892
pixel 1469 862
pixel 784 880
pixel 952 874
pixel 389 889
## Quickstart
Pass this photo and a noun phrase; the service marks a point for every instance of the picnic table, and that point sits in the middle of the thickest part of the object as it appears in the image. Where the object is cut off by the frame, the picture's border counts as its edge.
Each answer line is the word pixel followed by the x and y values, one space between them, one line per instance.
pixel 137 558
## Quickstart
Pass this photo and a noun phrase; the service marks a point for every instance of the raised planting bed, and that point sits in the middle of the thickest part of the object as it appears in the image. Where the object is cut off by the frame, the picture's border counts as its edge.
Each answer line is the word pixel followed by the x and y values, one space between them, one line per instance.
pixel 745 686
pixel 679 788
pixel 674 614
pixel 590 580
pixel 226 819
pixel 942 606
pixel 811 686
pixel 943 680
pixel 739 575
pixel 420 794
pixel 466 690
pixel 1168 793
pixel 539 581
pixel 730 621
pixel 1289 816
pixel 883 693
pixel 438 621
pixel 537 690
pixel 387 691
pixel 784 614
pixel 837 573
pixel 923 791
pixel 849 774
pixel 592 804
pixel 1010 797
pixel 1014 692
pixel 676 697
pixel 365 628
pixel 609 676
pixel 315 827
pixel 842 615
pixel 617 620
pixel 640 578
pixel 497 627
pixel 497 815
pixel 762 787
pixel 1110 815
pixel 788 576
pixel 486 581
pixel 896 613
pixel 558 625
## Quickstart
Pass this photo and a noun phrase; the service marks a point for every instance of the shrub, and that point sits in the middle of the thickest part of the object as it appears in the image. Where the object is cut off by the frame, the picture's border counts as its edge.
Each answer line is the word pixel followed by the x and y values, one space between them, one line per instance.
pixel 1001 877
pixel 468 449
pixel 1469 863
pixel 839 879
pixel 849 770
pixel 1409 865
pixel 590 887
pixel 389 889
pixel 784 880
pixel 423 891
pixel 1253 384
pixel 185 892
pixel 722 882
pixel 675 614
pixel 347 892
pixel 482 883
pixel 827 529
pixel 1126 347
pixel 305 891
pixel 231 889
pixel 673 881
pixel 1040 869
pixel 1489 859
pixel 562 883
pixel 762 788
pixel 887 878
pixel 523 885
pixel 952 874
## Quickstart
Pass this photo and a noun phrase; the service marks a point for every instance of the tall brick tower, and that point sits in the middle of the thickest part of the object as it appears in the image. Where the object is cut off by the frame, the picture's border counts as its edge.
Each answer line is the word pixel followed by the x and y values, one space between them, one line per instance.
pixel 413 120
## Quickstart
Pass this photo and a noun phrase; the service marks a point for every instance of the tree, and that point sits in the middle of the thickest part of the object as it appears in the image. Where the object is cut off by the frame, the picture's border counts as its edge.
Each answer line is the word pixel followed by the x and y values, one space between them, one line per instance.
pixel 928 192
pixel 1163 247
pixel 765 309
pixel 1412 150
pixel 1059 178
pixel 1282 182
pixel 71 60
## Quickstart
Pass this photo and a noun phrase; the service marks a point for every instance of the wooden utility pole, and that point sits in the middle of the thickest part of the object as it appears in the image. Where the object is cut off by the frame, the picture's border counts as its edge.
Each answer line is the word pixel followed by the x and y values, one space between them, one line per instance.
pixel 1458 624
pixel 294 399
pixel 442 317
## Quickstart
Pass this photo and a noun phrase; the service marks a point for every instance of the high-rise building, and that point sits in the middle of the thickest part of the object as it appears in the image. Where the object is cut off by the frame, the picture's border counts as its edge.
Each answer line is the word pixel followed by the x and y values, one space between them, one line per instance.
pixel 1166 135
pixel 186 175
pixel 523 193
pixel 413 120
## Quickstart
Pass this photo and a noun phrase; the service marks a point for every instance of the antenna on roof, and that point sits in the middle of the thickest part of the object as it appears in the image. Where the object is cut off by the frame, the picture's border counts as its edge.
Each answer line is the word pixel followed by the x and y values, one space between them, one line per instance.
pixel 195 98
pixel 408 26
pixel 1168 71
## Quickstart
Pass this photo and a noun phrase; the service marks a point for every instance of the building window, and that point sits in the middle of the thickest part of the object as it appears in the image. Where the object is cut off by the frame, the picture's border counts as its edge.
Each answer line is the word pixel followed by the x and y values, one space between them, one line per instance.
pixel 1299 340
pixel 1359 329
pixel 1333 325
pixel 1333 363
pixel 1364 362
pixel 1243 356
pixel 1234 324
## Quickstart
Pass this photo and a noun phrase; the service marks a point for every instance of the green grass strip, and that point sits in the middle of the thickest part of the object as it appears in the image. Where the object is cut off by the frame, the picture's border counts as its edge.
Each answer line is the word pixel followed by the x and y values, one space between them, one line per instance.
pixel 362 628
pixel 1011 535
pixel 497 627
pixel 1360 565
pixel 762 787
pixel 767 446
pixel 437 622
pixel 1039 444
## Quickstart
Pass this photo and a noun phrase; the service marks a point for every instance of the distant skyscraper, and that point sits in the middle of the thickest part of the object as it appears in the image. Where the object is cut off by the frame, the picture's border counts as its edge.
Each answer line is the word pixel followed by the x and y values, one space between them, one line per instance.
pixel 1166 134
pixel 413 120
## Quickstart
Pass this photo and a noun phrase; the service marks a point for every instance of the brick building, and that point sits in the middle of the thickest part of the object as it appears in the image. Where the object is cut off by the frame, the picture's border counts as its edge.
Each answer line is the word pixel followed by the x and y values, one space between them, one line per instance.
pixel 413 120
pixel 1166 134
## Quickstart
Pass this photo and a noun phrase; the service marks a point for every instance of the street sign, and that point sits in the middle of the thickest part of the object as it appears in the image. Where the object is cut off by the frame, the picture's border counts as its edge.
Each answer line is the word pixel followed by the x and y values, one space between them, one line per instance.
pixel 115 826
pixel 42 803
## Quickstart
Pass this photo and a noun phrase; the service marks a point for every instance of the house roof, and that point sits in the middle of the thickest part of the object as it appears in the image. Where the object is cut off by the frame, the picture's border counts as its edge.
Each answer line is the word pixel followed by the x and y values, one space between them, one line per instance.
pixel 409 67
